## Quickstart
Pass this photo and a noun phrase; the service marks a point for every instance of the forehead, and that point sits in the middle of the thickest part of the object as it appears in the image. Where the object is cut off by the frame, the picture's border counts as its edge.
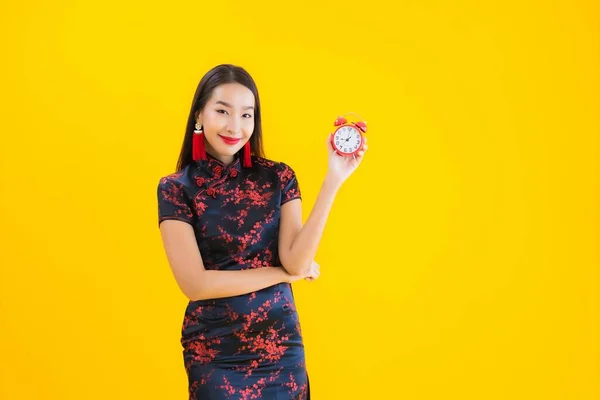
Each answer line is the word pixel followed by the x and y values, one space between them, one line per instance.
pixel 235 94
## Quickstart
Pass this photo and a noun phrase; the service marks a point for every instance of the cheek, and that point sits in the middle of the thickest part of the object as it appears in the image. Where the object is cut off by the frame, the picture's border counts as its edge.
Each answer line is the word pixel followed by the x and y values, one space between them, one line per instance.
pixel 214 120
pixel 249 128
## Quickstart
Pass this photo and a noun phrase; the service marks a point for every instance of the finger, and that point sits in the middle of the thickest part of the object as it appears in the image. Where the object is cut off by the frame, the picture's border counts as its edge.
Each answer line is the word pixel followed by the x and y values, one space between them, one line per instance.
pixel 332 151
pixel 328 141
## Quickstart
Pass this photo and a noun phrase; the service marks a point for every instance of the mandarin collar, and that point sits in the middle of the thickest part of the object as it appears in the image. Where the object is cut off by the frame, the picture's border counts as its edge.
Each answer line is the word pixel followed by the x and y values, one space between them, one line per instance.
pixel 216 169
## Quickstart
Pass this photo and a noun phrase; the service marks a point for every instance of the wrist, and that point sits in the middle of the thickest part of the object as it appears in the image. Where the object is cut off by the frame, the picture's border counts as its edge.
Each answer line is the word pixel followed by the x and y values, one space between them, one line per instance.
pixel 331 183
pixel 286 277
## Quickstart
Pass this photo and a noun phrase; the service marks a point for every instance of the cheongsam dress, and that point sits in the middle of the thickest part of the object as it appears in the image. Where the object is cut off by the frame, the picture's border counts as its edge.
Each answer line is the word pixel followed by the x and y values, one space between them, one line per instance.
pixel 247 346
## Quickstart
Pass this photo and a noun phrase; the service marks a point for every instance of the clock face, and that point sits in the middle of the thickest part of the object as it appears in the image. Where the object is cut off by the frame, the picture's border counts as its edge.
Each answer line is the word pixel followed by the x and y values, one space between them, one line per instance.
pixel 347 139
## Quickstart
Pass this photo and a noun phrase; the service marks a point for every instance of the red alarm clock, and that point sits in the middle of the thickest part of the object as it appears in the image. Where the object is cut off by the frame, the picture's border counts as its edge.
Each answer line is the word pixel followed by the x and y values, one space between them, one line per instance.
pixel 348 139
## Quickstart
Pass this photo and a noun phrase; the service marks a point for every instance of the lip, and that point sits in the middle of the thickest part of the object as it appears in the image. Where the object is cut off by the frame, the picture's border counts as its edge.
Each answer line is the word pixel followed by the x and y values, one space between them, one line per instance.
pixel 230 141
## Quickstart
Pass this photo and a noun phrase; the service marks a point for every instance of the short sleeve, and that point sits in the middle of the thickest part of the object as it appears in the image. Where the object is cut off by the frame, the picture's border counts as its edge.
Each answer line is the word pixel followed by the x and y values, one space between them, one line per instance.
pixel 290 188
pixel 173 203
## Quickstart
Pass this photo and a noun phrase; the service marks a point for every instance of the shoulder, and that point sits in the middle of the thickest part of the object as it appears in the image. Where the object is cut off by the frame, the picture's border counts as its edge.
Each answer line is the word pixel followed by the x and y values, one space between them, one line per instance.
pixel 180 179
pixel 278 169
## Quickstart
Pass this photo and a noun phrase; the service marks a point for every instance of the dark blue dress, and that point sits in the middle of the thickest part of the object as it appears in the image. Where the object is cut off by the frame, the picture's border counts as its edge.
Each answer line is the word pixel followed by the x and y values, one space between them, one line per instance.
pixel 248 346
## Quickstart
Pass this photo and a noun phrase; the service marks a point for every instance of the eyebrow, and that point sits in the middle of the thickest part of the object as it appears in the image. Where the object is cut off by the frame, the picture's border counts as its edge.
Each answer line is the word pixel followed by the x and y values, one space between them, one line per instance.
pixel 230 106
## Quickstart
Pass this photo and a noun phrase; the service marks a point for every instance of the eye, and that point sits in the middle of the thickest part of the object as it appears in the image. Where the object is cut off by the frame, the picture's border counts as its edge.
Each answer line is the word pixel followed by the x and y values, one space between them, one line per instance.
pixel 219 111
pixel 248 115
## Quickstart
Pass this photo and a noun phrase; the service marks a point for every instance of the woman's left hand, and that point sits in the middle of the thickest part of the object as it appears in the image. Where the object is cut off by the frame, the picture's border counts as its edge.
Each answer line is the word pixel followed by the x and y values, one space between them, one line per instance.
pixel 341 167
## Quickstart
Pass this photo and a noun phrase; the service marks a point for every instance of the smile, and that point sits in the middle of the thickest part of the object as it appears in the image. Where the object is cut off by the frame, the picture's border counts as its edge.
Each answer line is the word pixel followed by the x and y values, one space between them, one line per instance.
pixel 229 141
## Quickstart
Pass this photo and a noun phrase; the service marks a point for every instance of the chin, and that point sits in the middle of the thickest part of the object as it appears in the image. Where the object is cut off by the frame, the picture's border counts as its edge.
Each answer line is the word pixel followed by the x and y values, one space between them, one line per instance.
pixel 229 151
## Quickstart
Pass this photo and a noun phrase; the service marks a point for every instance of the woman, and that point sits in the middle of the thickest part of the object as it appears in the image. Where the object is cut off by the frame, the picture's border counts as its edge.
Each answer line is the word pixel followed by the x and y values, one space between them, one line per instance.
pixel 231 226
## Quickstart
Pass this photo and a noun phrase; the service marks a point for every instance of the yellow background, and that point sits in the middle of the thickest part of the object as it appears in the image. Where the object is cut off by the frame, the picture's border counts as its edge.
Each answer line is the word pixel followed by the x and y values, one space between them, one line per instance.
pixel 459 262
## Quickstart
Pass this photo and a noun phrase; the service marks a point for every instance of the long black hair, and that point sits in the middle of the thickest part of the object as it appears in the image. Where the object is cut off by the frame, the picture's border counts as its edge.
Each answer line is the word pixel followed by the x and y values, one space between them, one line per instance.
pixel 221 74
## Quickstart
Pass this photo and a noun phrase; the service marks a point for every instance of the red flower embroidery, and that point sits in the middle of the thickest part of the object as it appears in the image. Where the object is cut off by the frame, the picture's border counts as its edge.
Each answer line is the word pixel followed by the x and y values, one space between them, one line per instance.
pixel 237 229
pixel 200 180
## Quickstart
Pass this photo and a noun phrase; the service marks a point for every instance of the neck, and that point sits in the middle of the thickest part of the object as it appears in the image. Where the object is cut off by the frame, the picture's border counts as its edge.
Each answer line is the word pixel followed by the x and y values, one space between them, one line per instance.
pixel 226 160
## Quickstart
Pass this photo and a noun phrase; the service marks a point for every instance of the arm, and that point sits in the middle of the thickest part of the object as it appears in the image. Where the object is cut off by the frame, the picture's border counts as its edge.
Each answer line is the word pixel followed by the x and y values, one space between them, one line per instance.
pixel 217 284
pixel 298 244
pixel 196 282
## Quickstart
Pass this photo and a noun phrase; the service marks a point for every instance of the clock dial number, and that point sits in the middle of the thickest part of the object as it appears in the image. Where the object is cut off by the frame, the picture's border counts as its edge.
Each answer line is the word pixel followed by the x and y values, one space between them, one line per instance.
pixel 347 139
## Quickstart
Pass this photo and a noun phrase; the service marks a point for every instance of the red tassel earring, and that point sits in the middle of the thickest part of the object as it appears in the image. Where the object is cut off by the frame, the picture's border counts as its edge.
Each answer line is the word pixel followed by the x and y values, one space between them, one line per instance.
pixel 247 162
pixel 198 150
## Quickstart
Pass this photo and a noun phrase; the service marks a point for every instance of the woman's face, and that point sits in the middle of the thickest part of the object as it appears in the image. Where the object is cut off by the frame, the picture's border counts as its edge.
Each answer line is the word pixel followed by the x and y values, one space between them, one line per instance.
pixel 227 120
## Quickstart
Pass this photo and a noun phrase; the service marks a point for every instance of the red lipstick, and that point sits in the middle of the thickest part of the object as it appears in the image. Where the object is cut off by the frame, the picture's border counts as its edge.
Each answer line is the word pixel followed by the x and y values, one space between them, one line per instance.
pixel 229 141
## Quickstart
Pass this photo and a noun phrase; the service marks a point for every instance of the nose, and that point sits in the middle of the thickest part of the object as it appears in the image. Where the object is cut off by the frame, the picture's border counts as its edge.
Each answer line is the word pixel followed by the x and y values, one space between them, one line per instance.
pixel 234 126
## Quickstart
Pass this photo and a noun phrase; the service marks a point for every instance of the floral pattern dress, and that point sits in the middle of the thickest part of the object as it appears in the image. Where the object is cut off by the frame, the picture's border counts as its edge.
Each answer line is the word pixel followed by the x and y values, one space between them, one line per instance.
pixel 248 346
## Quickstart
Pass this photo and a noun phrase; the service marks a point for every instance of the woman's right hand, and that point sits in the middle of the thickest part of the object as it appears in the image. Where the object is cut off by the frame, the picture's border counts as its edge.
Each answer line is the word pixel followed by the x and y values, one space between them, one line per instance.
pixel 312 274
